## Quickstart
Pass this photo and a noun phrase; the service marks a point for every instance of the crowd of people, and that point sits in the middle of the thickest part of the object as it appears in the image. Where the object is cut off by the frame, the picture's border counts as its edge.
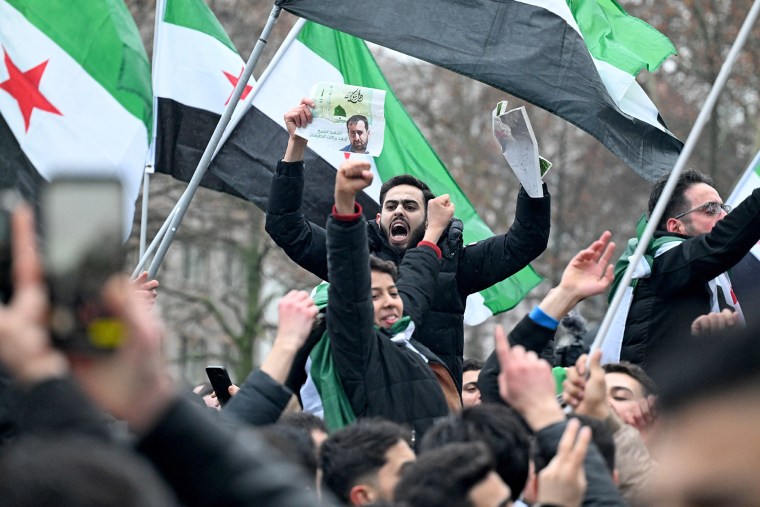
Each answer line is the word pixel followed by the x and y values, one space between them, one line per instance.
pixel 366 398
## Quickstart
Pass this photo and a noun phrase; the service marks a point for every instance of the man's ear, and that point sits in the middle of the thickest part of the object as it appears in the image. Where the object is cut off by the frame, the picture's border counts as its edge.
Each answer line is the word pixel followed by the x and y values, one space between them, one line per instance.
pixel 377 219
pixel 674 225
pixel 361 494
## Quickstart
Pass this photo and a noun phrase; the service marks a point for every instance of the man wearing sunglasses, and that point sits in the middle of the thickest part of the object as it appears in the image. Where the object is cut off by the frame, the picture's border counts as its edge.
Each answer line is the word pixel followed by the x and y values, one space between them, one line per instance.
pixel 697 241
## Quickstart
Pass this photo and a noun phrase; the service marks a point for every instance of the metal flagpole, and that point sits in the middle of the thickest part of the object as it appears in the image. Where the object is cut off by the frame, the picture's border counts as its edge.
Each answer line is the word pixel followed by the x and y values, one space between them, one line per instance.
pixel 691 142
pixel 192 187
pixel 151 162
pixel 241 111
pixel 154 244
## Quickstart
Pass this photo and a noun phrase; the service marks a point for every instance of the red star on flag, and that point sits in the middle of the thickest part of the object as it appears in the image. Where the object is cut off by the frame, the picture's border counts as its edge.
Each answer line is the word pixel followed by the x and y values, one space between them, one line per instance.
pixel 24 87
pixel 234 80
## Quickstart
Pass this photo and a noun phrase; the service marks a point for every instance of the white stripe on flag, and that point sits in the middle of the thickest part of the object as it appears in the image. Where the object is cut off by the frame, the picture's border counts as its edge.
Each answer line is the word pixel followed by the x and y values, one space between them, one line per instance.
pixel 296 72
pixel 94 133
pixel 190 68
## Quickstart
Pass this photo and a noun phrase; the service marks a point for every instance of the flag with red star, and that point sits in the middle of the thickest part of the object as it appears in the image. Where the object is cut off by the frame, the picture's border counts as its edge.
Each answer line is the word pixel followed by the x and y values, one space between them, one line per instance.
pixel 72 99
pixel 195 68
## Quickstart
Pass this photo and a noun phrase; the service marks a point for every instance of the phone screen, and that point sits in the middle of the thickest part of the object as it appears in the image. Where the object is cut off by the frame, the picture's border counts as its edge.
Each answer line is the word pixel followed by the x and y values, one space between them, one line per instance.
pixel 220 381
pixel 81 233
pixel 80 216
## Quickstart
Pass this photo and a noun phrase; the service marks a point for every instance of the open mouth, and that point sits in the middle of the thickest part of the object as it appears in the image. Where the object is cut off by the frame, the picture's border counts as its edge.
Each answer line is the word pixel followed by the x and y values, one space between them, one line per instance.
pixel 399 231
pixel 389 320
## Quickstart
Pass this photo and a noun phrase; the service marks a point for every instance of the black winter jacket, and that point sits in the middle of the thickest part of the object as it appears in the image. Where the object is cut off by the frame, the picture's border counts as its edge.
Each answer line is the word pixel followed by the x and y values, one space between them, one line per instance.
pixel 380 377
pixel 464 270
pixel 665 304
pixel 203 462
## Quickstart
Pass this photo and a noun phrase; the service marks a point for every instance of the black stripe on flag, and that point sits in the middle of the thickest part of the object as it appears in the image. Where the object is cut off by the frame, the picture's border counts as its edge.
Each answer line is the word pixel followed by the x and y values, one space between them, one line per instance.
pixel 183 133
pixel 524 50
pixel 16 170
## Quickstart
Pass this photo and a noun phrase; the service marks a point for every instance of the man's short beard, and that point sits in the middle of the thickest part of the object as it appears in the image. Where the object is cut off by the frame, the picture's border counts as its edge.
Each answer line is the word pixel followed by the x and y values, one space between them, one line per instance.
pixel 415 237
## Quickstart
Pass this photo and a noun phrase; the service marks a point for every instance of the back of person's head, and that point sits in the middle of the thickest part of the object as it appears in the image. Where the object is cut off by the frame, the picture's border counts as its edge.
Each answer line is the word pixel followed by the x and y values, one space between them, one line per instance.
pixel 636 372
pixel 310 423
pixel 444 476
pixel 295 446
pixel 694 368
pixel 472 365
pixel 406 179
pixel 499 428
pixel 678 202
pixel 302 420
pixel 357 451
pixel 77 472
pixel 388 267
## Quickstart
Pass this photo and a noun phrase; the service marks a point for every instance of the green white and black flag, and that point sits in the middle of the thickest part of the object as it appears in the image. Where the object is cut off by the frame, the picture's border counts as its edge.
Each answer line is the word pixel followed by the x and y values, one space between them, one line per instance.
pixel 74 93
pixel 249 156
pixel 195 69
pixel 576 59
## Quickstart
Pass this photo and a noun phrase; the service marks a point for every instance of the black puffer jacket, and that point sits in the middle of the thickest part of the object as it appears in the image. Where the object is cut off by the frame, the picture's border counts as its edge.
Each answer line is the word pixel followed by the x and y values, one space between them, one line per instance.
pixel 380 377
pixel 464 270
pixel 665 304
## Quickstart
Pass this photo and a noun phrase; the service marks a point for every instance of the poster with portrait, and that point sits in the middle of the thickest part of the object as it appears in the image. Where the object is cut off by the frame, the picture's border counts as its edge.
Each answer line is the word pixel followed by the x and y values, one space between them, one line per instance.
pixel 346 118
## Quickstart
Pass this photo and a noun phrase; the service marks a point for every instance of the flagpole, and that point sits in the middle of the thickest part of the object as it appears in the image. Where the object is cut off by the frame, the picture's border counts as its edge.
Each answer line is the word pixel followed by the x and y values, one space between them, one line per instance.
pixel 667 191
pixel 240 112
pixel 144 214
pixel 205 161
pixel 154 244
pixel 151 162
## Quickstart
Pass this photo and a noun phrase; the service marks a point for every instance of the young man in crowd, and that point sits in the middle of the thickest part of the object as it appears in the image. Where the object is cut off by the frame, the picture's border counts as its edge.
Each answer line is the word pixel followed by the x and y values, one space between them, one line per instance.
pixel 397 228
pixel 362 462
pixel 696 242
pixel 382 370
pixel 470 372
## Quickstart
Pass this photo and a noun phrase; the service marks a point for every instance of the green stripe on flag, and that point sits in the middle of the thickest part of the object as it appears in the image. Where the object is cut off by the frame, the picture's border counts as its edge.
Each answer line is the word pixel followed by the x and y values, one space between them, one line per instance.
pixel 621 40
pixel 406 150
pixel 196 15
pixel 757 168
pixel 94 33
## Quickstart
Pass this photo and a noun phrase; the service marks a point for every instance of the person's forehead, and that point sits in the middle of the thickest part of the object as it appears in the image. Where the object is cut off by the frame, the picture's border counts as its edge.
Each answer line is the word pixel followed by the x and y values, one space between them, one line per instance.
pixel 617 380
pixel 470 376
pixel 399 454
pixel 381 280
pixel 404 193
pixel 700 193
pixel 359 125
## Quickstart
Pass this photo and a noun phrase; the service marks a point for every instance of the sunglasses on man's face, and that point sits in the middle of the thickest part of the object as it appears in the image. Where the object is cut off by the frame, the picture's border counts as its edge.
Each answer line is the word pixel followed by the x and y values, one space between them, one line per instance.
pixel 710 208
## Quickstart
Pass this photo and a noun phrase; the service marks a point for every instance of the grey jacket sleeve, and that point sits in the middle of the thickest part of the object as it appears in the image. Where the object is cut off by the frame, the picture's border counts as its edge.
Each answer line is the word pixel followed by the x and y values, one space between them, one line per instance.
pixel 259 402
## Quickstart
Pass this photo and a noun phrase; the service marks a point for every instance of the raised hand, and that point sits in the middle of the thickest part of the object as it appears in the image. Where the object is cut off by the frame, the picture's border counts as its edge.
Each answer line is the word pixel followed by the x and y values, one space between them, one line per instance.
pixel 353 177
pixel 585 389
pixel 527 384
pixel 713 322
pixel 146 290
pixel 297 312
pixel 563 481
pixel 587 274
pixel 298 117
pixel 590 272
pixel 25 347
pixel 439 214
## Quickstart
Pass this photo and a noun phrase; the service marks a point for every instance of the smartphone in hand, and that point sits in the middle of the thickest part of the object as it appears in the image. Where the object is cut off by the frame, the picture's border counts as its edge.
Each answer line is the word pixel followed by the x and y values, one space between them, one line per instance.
pixel 221 382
